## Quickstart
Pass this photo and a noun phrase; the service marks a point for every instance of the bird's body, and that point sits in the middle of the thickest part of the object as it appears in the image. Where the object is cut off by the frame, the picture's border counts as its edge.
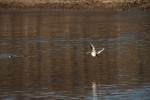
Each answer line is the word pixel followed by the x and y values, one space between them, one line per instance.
pixel 93 51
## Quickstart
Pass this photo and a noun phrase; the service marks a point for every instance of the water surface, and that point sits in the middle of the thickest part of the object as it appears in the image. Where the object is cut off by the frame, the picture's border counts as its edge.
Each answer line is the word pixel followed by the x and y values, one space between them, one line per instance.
pixel 43 55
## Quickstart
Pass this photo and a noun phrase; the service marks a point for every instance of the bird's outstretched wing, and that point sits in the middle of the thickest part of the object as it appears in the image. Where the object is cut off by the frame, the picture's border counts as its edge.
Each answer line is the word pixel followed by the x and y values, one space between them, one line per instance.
pixel 92 47
pixel 100 51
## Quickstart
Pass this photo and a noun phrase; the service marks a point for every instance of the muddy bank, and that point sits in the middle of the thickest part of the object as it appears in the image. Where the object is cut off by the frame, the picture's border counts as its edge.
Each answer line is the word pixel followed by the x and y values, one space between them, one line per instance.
pixel 76 5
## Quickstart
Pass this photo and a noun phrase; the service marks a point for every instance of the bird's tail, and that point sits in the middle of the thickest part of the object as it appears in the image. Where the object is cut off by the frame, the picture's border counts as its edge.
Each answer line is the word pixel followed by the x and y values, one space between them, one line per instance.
pixel 88 52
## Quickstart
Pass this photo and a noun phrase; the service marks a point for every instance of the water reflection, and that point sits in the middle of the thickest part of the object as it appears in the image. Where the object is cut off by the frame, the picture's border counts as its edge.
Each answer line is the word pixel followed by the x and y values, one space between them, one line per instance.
pixel 102 92
pixel 94 88
pixel 51 61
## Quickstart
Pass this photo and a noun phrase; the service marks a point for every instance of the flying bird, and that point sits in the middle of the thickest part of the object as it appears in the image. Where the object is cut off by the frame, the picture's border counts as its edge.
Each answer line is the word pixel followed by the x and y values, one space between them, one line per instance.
pixel 93 52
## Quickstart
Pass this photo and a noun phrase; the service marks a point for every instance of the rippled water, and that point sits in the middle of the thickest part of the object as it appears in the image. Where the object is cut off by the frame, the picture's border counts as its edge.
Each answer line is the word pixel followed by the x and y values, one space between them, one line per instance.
pixel 43 55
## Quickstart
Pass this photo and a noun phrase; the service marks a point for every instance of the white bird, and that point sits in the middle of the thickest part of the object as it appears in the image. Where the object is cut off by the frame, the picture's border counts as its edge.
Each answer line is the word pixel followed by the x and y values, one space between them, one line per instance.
pixel 93 51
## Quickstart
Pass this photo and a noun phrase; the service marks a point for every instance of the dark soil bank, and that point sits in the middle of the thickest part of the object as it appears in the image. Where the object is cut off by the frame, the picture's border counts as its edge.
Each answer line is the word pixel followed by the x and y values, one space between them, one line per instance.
pixel 77 5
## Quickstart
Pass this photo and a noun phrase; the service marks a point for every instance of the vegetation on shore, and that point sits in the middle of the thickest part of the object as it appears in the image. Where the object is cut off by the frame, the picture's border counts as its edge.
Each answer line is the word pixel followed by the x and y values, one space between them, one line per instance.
pixel 76 4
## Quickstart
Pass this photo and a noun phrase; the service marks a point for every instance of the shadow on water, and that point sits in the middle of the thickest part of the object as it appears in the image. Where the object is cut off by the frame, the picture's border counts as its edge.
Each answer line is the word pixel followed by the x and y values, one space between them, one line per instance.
pixel 50 61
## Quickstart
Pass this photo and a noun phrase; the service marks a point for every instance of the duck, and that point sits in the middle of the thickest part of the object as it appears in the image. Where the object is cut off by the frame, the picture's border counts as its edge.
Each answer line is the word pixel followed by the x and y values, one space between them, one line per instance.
pixel 93 51
pixel 10 56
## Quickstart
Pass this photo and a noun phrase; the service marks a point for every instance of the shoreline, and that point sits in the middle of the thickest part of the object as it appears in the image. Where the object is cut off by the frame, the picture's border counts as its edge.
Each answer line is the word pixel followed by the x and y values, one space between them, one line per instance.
pixel 76 5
